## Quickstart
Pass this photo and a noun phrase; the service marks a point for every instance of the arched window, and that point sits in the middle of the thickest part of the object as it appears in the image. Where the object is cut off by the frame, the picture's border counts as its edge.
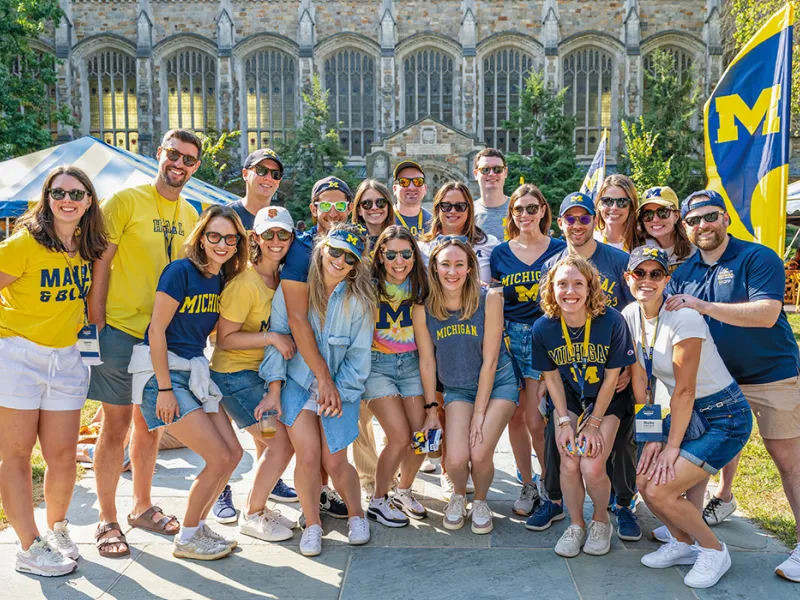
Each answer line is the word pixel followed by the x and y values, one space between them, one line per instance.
pixel 270 79
pixel 350 80
pixel 428 76
pixel 192 90
pixel 504 74
pixel 113 115
pixel 682 63
pixel 588 74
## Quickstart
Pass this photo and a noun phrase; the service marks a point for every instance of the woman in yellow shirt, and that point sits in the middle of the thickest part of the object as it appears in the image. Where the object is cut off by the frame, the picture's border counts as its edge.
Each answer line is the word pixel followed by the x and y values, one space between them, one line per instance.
pixel 45 275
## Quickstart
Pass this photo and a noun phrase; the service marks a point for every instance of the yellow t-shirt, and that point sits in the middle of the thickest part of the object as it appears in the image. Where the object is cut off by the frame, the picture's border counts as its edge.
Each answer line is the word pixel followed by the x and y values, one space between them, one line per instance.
pixel 43 305
pixel 137 219
pixel 247 300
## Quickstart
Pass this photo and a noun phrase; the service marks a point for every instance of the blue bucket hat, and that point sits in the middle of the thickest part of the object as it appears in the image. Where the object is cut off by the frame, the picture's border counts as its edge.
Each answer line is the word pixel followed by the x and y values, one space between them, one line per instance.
pixel 347 240
pixel 576 199
pixel 644 253
pixel 331 183
pixel 710 198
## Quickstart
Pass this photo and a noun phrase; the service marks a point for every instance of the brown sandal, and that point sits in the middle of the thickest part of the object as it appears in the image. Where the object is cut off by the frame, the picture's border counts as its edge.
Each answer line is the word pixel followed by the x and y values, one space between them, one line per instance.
pixel 145 521
pixel 102 542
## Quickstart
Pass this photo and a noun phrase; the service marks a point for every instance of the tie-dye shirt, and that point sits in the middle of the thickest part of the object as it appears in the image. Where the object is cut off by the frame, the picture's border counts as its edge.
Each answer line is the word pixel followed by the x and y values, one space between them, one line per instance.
pixel 394 332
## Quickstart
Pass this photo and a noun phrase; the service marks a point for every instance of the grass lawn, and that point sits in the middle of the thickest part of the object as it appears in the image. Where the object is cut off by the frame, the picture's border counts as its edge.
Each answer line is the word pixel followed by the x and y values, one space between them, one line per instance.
pixel 38 465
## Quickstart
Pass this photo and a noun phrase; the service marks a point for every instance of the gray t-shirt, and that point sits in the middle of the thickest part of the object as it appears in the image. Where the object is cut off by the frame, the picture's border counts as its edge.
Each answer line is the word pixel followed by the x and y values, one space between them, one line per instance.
pixel 492 219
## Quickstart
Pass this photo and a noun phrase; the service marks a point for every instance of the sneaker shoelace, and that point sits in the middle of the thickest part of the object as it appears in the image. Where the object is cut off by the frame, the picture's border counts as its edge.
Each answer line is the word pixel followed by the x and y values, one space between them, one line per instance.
pixel 210 533
pixel 543 509
pixel 358 525
pixel 43 548
pixel 272 516
pixel 705 558
pixel 408 498
pixel 61 538
pixel 597 531
pixel 573 533
pixel 456 507
pixel 334 497
pixel 482 511
pixel 711 508
pixel 528 492
pixel 625 516
pixel 226 497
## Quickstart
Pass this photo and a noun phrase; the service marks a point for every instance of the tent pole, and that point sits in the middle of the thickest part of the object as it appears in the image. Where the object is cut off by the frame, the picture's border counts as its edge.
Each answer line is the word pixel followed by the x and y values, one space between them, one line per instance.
pixel 789 248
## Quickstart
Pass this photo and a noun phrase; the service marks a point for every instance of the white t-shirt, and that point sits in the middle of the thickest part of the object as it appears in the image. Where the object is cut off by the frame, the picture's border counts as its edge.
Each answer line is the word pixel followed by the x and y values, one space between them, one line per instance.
pixel 673 327
pixel 598 235
pixel 482 250
pixel 674 263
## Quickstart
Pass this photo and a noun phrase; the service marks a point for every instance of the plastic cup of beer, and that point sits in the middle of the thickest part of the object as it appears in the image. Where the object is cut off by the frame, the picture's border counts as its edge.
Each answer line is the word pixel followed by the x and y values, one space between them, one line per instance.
pixel 268 424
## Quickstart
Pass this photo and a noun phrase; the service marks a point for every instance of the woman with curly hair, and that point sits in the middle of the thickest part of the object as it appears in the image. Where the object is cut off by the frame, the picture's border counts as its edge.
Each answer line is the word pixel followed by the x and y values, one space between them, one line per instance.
pixel 581 348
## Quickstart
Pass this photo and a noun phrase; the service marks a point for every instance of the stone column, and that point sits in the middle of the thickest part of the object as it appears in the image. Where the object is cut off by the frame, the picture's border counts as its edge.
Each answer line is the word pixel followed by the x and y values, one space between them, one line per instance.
pixel 306 37
pixel 388 119
pixel 144 78
pixel 225 41
pixel 632 104
pixel 63 69
pixel 713 40
pixel 550 38
pixel 467 35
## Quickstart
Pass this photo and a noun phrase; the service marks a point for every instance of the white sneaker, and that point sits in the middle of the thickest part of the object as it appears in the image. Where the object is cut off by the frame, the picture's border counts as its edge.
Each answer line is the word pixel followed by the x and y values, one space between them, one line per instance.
pixel 661 534
pixel 276 514
pixel 358 531
pixel 481 516
pixel 528 497
pixel 570 543
pixel 200 547
pixel 447 487
pixel 42 559
pixel 264 526
pixel 670 554
pixel 710 566
pixel 717 510
pixel 454 512
pixel 405 501
pixel 230 542
pixel 311 542
pixel 470 485
pixel 386 513
pixel 599 542
pixel 427 466
pixel 60 541
pixel 790 568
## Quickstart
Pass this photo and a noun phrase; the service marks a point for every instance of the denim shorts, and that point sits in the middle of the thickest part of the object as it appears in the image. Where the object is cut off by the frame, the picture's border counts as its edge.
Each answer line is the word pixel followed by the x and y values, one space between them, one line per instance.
pixel 241 391
pixel 393 375
pixel 519 335
pixel 506 386
pixel 730 422
pixel 180 387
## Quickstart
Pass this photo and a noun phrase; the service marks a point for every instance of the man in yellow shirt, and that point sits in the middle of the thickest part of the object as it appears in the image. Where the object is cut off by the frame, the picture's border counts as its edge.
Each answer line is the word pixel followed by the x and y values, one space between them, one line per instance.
pixel 147 226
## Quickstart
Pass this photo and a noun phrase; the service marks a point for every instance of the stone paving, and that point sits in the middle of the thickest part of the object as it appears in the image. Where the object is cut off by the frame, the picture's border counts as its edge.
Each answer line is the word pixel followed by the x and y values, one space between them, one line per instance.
pixel 422 560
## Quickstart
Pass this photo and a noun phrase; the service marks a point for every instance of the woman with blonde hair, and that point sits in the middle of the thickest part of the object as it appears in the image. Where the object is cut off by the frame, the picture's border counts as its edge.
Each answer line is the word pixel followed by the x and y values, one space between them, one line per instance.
pixel 616 205
pixel 372 209
pixel 581 348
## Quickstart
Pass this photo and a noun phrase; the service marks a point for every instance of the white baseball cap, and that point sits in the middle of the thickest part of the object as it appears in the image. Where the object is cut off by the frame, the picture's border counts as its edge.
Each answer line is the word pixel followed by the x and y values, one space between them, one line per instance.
pixel 272 216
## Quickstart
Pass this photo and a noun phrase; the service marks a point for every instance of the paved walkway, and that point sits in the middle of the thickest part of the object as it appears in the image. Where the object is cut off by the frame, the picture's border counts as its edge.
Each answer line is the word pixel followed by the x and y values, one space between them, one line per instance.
pixel 422 560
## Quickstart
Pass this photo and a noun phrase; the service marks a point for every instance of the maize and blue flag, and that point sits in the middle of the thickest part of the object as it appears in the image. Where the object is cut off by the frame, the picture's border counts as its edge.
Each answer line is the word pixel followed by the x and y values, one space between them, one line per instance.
pixel 597 170
pixel 747 123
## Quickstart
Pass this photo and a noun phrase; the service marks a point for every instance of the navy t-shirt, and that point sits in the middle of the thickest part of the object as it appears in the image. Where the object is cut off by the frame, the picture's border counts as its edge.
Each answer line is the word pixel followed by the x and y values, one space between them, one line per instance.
pixel 198 307
pixel 418 227
pixel 298 258
pixel 612 264
pixel 245 215
pixel 521 281
pixel 746 272
pixel 610 347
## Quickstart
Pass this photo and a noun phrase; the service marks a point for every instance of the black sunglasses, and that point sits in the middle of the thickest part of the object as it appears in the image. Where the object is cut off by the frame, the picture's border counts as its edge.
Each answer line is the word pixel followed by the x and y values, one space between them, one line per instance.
pixel 608 202
pixel 174 155
pixel 262 171
pixel 58 194
pixel 408 254
pixel 662 213
pixel 496 170
pixel 349 257
pixel 711 217
pixel 655 275
pixel 282 234
pixel 214 238
pixel 379 203
pixel 531 209
pixel 459 207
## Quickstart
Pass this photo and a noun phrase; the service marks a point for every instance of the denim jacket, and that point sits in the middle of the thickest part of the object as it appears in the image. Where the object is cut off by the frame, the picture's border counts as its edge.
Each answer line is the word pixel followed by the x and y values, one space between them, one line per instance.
pixel 345 343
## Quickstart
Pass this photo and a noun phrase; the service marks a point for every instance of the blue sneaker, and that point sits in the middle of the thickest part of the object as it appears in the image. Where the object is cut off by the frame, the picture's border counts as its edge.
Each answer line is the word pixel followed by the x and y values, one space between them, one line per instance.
pixel 519 478
pixel 283 493
pixel 224 511
pixel 612 502
pixel 628 525
pixel 545 514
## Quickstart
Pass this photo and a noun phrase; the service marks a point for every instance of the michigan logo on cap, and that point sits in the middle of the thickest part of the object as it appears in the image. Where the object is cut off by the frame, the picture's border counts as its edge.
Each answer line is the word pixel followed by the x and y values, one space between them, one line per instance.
pixel 655 191
pixel 269 152
pixel 650 252
pixel 351 239
pixel 333 184
pixel 576 198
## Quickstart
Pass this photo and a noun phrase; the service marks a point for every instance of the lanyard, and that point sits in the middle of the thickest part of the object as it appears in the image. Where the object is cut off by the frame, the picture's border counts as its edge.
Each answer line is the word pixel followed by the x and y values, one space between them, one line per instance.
pixel 168 236
pixel 580 374
pixel 419 223
pixel 647 355
pixel 83 289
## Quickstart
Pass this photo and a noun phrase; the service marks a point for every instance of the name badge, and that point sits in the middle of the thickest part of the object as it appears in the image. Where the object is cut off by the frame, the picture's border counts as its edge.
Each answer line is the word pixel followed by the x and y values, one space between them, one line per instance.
pixel 649 425
pixel 89 345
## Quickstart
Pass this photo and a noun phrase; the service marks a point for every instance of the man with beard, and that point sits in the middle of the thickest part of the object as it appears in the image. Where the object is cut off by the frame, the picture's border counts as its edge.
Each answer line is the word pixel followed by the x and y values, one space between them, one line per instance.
pixel 147 226
pixel 409 188
pixel 262 173
pixel 738 287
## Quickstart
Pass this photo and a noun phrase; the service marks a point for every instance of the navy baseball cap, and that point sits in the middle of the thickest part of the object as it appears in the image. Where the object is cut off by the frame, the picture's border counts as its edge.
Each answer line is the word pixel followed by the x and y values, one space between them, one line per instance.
pixel 257 156
pixel 576 199
pixel 331 183
pixel 346 239
pixel 700 199
pixel 644 253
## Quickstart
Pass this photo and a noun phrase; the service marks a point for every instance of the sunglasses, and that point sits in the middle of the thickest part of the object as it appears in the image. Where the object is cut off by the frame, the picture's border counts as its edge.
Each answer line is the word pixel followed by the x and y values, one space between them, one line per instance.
pixel 496 170
pixel 608 202
pixel 58 194
pixel 349 257
pixel 655 275
pixel 340 206
pixel 459 207
pixel 174 155
pixel 262 171
pixel 407 254
pixel 711 217
pixel 379 203
pixel 531 209
pixel 282 234
pixel 214 238
pixel 662 213
pixel 449 239
pixel 405 181
pixel 583 219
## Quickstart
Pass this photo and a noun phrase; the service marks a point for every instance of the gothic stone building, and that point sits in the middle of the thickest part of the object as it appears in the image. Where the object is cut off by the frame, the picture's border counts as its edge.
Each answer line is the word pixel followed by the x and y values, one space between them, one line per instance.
pixel 431 80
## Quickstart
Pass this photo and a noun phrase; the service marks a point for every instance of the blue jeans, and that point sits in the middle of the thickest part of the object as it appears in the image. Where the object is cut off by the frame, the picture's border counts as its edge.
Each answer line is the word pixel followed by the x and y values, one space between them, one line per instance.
pixel 519 335
pixel 241 391
pixel 393 375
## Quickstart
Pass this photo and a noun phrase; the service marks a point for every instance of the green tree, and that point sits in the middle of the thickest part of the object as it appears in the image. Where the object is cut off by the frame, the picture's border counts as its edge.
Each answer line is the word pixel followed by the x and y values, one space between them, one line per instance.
pixel 312 152
pixel 548 150
pixel 26 109
pixel 219 165
pixel 644 161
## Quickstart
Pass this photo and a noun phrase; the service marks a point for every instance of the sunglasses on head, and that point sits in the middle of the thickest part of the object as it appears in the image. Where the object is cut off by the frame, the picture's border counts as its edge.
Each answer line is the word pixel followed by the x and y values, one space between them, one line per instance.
pixel 711 217
pixel 531 209
pixel 496 170
pixel 214 238
pixel 662 213
pixel 174 155
pixel 459 207
pixel 339 206
pixel 261 171
pixel 608 202
pixel 655 275
pixel 407 254
pixel 379 203
pixel 405 181
pixel 449 239
pixel 582 219
pixel 58 194
pixel 349 257
pixel 282 234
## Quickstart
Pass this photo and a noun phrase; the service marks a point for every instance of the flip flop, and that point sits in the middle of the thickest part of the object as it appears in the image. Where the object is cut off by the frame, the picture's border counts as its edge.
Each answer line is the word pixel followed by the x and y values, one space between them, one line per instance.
pixel 145 521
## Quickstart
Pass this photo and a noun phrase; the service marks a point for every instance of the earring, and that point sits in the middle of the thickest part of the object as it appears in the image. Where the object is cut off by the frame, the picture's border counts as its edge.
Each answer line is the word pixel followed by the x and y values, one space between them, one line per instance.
pixel 352 274
pixel 78 232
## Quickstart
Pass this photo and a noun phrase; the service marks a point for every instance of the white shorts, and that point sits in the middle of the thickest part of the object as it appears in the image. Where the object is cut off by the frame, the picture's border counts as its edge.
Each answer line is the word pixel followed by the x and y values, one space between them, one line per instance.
pixel 311 404
pixel 36 377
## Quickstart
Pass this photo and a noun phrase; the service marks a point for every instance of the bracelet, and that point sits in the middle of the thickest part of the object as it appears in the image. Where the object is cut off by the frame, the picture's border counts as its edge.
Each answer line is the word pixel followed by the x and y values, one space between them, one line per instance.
pixel 593 425
pixel 169 389
pixel 598 419
pixel 565 423
pixel 431 405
